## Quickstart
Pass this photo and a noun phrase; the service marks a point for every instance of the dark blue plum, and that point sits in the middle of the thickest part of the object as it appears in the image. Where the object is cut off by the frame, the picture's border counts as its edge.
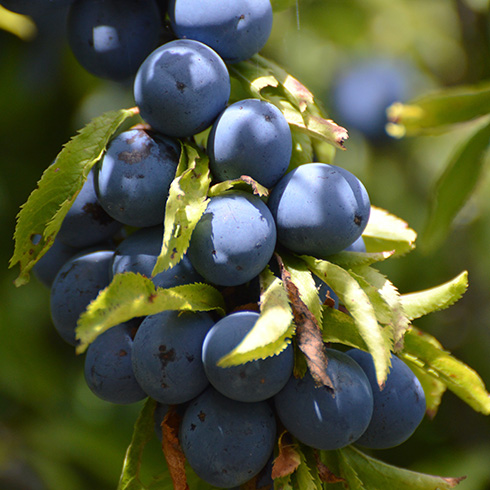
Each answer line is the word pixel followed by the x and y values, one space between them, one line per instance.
pixel 77 283
pixel 108 368
pixel 86 222
pixel 139 253
pixel 133 178
pixel 51 262
pixel 250 382
pixel 319 209
pixel 251 137
pixel 227 442
pixel 181 88
pixel 110 39
pixel 235 30
pixel 322 419
pixel 32 7
pixel 234 239
pixel 357 246
pixel 167 355
pixel 362 93
pixel 398 408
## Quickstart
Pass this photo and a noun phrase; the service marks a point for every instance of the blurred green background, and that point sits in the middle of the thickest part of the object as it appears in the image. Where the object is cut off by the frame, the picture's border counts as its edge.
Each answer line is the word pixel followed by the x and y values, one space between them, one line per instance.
pixel 56 435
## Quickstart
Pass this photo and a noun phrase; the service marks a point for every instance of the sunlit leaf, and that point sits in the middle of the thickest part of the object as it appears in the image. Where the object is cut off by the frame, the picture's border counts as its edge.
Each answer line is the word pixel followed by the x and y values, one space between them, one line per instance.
pixel 131 295
pixel 264 79
pixel 273 330
pixel 142 434
pixel 397 317
pixel 348 260
pixel 457 376
pixel 20 25
pixel 186 203
pixel 439 110
pixel 454 187
pixel 437 298
pixel 357 302
pixel 243 183
pixel 386 232
pixel 365 473
pixel 41 216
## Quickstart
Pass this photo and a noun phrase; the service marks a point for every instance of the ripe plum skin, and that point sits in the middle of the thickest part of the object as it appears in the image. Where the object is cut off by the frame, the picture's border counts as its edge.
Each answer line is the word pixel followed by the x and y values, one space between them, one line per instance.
pixel 321 419
pixel 181 88
pixel 108 368
pixel 251 137
pixel 234 239
pixel 77 283
pixel 133 179
pixel 250 382
pixel 86 222
pixel 319 209
pixel 398 408
pixel 235 30
pixel 227 442
pixel 167 355
pixel 110 39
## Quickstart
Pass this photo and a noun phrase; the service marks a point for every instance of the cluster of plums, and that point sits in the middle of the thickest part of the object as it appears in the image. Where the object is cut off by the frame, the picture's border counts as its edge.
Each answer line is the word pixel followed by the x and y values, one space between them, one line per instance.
pixel 230 415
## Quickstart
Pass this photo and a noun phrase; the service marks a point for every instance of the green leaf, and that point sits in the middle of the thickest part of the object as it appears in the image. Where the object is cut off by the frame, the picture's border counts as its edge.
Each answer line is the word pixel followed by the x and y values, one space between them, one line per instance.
pixel 360 307
pixel 348 260
pixel 244 183
pixel 340 328
pixel 131 295
pixel 437 298
pixel 306 476
pixel 264 79
pixel 386 232
pixel 454 187
pixel 366 473
pixel 438 111
pixel 273 330
pixel 186 203
pixel 143 432
pixel 20 25
pixel 463 381
pixel 41 216
pixel 398 319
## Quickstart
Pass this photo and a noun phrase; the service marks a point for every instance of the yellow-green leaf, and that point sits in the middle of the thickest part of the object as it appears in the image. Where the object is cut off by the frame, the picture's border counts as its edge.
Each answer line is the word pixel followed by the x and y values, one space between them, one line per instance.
pixel 20 25
pixel 186 203
pixel 463 381
pixel 359 305
pixel 365 472
pixel 131 295
pixel 273 330
pixel 386 232
pixel 41 216
pixel 438 111
pixel 437 298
